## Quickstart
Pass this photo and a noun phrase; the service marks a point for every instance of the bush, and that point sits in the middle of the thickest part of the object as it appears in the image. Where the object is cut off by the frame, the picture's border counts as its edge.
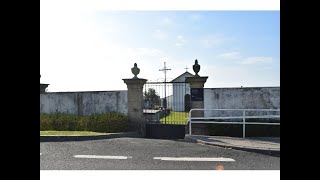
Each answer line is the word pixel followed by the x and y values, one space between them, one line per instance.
pixel 111 122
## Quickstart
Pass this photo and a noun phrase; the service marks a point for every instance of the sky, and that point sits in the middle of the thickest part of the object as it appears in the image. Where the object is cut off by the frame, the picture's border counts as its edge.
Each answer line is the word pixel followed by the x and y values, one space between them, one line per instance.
pixel 91 45
pixel 91 48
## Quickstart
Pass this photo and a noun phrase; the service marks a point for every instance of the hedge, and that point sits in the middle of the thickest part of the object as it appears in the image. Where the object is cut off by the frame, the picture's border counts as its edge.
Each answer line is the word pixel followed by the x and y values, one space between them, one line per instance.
pixel 110 122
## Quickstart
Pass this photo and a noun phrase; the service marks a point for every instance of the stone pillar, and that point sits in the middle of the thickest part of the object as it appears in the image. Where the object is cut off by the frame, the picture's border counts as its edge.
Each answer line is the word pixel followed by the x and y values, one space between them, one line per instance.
pixel 43 87
pixel 197 99
pixel 135 103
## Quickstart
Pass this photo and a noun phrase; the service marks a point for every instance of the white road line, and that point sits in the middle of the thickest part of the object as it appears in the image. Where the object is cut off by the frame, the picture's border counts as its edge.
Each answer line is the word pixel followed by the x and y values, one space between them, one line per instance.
pixel 193 159
pixel 101 157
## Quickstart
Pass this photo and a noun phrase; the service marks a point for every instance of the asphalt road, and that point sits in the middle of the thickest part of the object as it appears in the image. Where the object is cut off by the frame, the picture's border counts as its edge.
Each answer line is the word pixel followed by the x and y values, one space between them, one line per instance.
pixel 148 154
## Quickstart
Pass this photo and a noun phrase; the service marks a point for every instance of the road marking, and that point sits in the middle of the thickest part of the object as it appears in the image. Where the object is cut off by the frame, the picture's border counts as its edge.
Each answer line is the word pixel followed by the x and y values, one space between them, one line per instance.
pixel 101 157
pixel 193 159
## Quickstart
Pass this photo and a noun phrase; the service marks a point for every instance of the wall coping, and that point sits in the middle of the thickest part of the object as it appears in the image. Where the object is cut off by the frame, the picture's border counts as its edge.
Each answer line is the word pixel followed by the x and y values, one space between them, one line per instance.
pixel 244 87
pixel 84 91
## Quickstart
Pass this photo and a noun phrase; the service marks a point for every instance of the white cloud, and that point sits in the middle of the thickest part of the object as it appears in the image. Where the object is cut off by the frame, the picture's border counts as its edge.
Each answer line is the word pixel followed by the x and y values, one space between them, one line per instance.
pixel 159 34
pixel 195 17
pixel 180 41
pixel 257 60
pixel 210 41
pixel 166 21
pixel 237 76
pixel 230 55
pixel 144 52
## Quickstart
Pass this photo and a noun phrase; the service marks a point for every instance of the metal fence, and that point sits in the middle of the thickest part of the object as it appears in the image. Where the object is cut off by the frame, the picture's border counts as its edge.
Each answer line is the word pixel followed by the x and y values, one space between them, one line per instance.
pixel 168 101
pixel 210 119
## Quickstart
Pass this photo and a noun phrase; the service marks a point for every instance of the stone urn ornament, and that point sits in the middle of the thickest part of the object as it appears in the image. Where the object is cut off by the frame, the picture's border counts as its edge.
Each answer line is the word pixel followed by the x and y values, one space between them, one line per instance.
pixel 196 68
pixel 135 70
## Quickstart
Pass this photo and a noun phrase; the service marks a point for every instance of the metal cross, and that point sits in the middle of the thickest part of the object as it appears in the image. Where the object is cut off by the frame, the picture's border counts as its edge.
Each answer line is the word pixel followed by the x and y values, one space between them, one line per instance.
pixel 186 68
pixel 165 71
pixel 165 93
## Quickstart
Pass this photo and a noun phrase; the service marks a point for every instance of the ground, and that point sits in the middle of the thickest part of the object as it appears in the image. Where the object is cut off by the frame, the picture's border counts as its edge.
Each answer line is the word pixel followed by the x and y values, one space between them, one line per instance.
pixel 147 154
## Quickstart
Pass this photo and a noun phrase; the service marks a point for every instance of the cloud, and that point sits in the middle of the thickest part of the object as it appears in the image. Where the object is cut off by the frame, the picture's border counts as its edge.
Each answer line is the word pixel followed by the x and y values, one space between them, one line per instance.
pixel 236 76
pixel 136 52
pixel 166 21
pixel 210 41
pixel 180 41
pixel 230 55
pixel 257 60
pixel 195 17
pixel 159 34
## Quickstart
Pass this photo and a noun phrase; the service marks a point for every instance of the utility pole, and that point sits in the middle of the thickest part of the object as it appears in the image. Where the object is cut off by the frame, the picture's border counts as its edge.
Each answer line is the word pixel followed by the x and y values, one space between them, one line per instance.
pixel 165 69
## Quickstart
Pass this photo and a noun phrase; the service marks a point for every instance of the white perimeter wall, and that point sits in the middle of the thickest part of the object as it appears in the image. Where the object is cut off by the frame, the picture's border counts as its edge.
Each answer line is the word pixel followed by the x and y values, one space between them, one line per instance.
pixel 241 98
pixel 84 103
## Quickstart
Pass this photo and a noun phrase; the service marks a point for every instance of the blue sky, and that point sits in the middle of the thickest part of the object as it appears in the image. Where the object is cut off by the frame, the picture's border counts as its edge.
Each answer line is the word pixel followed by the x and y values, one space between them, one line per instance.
pixel 94 50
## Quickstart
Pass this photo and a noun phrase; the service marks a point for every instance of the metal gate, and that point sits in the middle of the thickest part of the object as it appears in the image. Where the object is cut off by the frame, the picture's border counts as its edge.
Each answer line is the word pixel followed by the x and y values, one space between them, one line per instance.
pixel 167 102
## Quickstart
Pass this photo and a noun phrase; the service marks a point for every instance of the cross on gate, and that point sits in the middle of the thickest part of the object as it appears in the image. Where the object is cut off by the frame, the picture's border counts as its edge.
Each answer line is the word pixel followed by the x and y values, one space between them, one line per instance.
pixel 165 94
pixel 165 71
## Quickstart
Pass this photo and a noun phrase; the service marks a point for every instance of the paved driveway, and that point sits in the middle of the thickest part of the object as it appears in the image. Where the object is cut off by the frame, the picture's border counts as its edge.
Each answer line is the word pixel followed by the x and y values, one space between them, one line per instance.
pixel 148 154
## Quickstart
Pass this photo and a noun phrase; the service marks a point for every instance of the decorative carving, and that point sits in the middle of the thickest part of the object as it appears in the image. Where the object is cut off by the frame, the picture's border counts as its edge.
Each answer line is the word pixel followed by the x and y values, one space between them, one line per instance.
pixel 135 70
pixel 196 68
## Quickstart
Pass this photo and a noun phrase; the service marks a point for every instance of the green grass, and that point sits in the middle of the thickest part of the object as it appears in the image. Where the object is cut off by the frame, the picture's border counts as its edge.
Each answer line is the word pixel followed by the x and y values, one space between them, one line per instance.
pixel 70 133
pixel 176 118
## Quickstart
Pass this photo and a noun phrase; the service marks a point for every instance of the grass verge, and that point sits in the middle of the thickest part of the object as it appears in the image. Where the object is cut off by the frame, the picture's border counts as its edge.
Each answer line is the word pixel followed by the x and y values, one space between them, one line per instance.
pixel 175 118
pixel 70 133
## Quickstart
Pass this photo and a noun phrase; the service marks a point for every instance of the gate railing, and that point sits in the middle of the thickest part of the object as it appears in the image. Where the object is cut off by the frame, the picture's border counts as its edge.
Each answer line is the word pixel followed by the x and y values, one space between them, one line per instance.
pixel 168 99
pixel 243 117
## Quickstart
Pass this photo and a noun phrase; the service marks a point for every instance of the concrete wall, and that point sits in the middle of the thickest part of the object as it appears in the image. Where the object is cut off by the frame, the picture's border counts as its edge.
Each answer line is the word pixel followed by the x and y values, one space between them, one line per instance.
pixel 169 102
pixel 241 98
pixel 151 115
pixel 84 103
pixel 179 91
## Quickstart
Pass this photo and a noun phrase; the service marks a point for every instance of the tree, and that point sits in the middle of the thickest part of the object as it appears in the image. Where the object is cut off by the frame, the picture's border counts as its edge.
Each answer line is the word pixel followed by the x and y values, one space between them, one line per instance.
pixel 151 98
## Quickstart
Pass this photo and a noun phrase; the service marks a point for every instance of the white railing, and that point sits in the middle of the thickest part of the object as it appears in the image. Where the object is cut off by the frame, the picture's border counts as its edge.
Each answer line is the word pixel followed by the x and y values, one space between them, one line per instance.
pixel 243 117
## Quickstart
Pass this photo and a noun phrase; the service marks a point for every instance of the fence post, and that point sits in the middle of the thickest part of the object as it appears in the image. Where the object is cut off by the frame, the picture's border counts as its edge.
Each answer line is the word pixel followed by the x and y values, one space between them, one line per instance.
pixel 43 87
pixel 190 122
pixel 244 124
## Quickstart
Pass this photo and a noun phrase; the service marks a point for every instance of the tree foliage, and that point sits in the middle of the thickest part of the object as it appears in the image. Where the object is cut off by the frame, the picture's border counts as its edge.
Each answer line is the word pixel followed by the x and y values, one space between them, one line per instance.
pixel 152 99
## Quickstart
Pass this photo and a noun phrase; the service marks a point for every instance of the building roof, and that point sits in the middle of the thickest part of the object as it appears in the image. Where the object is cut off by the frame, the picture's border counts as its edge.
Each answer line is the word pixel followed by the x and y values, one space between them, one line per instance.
pixel 185 73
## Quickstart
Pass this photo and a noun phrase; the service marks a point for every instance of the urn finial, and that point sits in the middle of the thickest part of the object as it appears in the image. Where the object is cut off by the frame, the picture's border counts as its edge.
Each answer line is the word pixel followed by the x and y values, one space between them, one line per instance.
pixel 196 68
pixel 135 71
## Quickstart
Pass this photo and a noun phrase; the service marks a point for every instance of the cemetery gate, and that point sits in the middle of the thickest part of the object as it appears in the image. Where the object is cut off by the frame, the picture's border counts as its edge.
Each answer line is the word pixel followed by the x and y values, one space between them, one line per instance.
pixel 166 109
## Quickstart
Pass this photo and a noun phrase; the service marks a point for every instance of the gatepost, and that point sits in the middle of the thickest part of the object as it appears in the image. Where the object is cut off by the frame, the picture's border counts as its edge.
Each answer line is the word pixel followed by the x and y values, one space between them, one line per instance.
pixel 137 122
pixel 197 99
pixel 43 87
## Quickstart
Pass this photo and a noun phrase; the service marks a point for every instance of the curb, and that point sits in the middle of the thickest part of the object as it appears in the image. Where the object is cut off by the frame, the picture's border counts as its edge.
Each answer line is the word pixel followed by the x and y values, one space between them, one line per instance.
pixel 270 152
pixel 87 138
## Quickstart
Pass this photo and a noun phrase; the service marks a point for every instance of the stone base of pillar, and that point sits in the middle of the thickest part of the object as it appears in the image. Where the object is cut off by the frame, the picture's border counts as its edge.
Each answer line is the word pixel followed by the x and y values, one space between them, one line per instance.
pixel 140 128
pixel 197 82
pixel 198 129
pixel 43 88
pixel 135 106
